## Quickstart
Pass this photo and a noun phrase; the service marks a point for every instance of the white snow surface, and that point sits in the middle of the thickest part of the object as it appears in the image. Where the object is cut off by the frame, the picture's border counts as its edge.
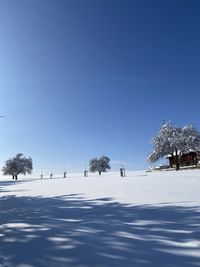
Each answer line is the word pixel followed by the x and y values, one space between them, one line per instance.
pixel 144 219
pixel 139 187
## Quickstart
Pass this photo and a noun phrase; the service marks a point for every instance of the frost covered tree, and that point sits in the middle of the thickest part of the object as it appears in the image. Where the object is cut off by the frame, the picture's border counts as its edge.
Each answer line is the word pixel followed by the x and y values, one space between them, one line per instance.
pixel 18 165
pixel 174 141
pixel 99 164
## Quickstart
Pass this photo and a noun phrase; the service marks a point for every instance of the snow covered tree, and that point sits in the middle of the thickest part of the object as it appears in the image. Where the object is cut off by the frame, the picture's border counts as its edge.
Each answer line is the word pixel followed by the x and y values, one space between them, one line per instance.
pixel 99 165
pixel 174 141
pixel 18 165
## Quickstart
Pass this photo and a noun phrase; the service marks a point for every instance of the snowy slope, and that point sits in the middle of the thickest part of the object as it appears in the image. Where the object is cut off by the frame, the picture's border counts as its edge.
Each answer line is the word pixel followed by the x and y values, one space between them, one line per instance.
pixel 137 188
pixel 144 219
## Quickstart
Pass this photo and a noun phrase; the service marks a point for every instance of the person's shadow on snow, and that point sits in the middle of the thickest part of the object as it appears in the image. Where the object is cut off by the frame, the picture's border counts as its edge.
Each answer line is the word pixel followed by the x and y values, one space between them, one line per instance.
pixel 71 231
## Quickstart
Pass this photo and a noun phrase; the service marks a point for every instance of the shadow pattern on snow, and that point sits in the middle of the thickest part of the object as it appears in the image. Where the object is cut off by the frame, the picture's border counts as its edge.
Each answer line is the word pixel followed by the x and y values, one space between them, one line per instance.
pixel 4 184
pixel 71 231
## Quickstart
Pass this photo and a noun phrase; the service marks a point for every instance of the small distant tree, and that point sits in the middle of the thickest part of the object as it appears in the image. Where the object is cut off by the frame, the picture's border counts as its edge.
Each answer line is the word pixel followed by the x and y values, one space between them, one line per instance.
pixel 174 141
pixel 99 164
pixel 18 165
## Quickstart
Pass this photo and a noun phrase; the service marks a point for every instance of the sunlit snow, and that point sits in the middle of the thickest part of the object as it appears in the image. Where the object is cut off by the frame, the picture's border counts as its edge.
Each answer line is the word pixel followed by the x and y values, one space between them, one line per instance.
pixel 144 219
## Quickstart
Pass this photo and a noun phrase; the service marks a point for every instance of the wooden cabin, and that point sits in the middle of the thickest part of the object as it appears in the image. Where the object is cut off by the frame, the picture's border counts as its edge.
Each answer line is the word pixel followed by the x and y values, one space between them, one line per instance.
pixel 188 159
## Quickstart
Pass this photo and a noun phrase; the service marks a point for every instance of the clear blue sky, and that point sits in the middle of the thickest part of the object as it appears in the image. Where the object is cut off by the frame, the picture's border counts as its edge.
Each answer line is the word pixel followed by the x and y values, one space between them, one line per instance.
pixel 85 78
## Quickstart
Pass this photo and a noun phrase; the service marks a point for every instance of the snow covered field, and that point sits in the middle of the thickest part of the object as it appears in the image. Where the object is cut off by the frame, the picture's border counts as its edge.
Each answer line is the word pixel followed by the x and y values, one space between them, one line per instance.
pixel 144 219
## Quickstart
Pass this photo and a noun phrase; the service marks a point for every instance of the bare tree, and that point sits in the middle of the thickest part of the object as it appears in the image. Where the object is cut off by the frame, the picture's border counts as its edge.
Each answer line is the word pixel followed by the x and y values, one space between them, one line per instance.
pixel 174 141
pixel 18 165
pixel 99 165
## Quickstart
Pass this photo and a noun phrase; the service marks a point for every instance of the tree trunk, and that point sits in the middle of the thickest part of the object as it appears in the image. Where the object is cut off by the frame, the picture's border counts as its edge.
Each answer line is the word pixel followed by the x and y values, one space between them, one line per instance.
pixel 171 160
pixel 177 166
pixel 177 159
pixel 15 177
pixel 99 172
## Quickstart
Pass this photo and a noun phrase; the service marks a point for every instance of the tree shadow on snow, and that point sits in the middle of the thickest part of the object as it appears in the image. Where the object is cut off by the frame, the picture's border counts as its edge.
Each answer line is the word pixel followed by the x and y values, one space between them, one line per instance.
pixel 71 231
pixel 4 184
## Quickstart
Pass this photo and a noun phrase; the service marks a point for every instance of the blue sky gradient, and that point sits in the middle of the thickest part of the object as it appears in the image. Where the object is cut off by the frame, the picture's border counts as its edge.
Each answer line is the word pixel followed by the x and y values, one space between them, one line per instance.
pixel 85 78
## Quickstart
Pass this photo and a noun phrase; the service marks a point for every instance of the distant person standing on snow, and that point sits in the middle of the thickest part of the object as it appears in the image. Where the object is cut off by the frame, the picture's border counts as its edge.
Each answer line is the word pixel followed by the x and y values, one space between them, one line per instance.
pixel 122 172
